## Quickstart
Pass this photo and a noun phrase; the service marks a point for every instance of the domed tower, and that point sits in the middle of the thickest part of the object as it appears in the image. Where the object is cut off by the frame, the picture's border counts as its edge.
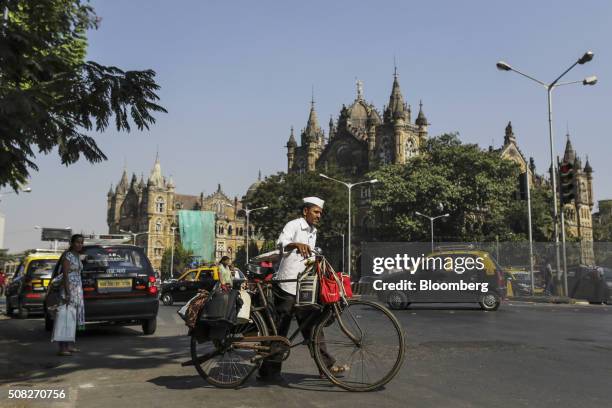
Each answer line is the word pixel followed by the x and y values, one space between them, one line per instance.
pixel 421 122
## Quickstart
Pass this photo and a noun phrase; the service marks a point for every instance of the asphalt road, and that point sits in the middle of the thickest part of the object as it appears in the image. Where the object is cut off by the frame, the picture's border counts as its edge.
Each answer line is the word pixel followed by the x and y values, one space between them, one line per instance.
pixel 532 355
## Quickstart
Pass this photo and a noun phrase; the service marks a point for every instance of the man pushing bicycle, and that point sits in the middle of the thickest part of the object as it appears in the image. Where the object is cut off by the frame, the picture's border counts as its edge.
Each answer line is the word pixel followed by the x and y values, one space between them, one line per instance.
pixel 296 243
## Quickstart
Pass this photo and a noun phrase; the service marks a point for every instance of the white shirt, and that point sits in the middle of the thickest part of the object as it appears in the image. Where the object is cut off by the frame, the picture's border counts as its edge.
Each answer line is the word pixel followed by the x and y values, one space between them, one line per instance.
pixel 293 263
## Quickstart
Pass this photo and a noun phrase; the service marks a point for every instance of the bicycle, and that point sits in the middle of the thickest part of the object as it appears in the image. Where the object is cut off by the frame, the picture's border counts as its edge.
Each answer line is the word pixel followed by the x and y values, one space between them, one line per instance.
pixel 360 334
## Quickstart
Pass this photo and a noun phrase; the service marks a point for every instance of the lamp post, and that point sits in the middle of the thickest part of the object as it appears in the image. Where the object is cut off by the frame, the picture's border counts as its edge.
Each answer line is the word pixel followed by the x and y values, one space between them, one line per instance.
pixel 341 234
pixel 349 186
pixel 591 80
pixel 431 221
pixel 172 253
pixel 248 212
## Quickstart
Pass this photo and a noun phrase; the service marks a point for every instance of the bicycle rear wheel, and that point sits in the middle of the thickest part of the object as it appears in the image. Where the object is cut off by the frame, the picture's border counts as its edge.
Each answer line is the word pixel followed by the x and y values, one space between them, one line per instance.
pixel 364 338
pixel 223 365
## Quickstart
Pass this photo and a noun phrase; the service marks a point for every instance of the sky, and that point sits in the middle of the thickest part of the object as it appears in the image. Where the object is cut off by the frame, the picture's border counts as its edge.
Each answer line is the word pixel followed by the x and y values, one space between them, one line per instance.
pixel 236 75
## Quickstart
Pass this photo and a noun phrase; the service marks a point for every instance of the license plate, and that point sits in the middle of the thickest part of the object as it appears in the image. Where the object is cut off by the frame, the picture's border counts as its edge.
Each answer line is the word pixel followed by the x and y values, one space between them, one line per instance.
pixel 114 283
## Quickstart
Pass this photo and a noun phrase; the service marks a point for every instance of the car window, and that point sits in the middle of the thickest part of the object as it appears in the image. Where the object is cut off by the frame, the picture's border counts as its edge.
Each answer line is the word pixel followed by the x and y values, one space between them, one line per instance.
pixel 18 271
pixel 191 276
pixel 114 260
pixel 41 267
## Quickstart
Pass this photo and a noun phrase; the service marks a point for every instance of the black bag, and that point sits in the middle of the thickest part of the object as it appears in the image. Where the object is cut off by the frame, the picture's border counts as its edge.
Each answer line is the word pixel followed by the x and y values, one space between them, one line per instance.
pixel 222 307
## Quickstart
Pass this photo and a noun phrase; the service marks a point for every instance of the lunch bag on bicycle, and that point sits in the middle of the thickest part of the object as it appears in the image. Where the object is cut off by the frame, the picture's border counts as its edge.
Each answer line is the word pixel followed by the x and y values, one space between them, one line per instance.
pixel 222 307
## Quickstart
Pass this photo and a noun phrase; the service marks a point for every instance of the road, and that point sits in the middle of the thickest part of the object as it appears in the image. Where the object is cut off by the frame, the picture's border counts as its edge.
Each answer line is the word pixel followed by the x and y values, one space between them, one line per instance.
pixel 531 355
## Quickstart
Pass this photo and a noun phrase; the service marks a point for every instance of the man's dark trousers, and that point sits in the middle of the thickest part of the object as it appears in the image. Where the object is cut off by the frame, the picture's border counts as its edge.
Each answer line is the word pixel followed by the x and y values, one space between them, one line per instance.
pixel 283 304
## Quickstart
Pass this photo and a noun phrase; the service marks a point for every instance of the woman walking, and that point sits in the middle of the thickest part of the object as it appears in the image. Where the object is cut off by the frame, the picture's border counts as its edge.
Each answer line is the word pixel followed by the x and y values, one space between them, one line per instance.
pixel 72 289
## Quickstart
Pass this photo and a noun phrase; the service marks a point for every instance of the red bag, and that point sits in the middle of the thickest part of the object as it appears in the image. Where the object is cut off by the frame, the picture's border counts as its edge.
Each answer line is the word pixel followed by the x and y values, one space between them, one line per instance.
pixel 346 284
pixel 330 292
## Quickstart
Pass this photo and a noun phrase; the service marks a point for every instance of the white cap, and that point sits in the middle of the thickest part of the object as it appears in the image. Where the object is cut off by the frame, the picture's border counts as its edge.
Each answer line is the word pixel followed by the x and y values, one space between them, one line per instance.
pixel 314 200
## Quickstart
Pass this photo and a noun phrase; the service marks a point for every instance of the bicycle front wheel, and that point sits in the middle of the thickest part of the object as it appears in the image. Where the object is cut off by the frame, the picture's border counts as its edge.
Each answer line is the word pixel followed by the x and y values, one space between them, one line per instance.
pixel 365 341
pixel 222 364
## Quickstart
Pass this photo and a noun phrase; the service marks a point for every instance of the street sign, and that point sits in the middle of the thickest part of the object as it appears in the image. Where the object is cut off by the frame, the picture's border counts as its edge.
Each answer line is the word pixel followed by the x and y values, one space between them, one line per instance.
pixel 56 234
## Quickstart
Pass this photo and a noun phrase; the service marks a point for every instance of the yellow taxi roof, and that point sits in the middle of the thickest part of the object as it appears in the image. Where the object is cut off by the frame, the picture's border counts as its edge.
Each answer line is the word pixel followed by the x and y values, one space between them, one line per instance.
pixel 36 256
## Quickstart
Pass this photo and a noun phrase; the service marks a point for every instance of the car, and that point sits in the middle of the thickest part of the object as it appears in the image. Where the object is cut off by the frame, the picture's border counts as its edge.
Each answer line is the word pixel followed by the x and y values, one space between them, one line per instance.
pixel 26 291
pixel 492 274
pixel 593 284
pixel 188 284
pixel 118 287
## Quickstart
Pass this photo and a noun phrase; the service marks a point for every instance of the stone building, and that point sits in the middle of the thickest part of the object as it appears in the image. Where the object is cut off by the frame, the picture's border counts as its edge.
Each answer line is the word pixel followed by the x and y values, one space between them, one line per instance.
pixel 362 138
pixel 150 209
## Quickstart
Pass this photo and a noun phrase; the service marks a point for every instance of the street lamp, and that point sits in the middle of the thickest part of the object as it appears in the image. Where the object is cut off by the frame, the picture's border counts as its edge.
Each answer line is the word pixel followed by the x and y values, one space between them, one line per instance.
pixel 349 186
pixel 431 221
pixel 591 80
pixel 248 212
pixel 341 234
pixel 134 234
pixel 25 190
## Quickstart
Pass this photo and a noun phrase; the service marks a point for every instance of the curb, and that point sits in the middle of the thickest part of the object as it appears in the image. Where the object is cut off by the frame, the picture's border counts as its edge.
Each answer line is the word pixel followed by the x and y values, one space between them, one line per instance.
pixel 545 299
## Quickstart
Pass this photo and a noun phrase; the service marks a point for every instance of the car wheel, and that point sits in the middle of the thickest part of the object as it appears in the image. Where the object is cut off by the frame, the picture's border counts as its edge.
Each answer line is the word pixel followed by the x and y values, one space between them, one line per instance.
pixel 48 322
pixel 167 299
pixel 490 302
pixel 397 300
pixel 22 312
pixel 149 326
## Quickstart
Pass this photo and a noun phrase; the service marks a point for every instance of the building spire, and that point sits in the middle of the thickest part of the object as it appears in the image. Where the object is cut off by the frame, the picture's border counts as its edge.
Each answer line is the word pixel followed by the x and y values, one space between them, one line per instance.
pixel 156 179
pixel 394 67
pixel 509 136
pixel 313 131
pixel 396 107
pixel 570 153
pixel 421 120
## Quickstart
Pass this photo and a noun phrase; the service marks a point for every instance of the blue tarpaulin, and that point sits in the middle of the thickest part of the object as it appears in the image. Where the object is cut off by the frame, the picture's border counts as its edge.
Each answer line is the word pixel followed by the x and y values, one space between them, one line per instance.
pixel 197 230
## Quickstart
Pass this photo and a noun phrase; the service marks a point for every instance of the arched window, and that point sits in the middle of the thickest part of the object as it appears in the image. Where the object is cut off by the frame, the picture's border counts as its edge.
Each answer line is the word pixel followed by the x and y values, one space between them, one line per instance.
pixel 229 230
pixel 221 229
pixel 159 205
pixel 240 231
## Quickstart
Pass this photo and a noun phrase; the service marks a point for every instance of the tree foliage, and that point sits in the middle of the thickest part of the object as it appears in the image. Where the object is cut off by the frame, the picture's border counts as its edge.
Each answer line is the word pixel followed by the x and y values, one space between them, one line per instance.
pixel 182 259
pixel 50 96
pixel 475 187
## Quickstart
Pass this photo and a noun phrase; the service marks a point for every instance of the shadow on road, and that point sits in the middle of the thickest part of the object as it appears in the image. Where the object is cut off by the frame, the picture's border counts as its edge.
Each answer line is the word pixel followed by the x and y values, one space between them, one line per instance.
pixel 26 353
pixel 304 382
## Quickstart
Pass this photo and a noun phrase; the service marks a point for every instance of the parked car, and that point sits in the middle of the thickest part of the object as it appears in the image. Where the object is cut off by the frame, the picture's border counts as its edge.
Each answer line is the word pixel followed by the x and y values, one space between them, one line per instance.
pixel 26 291
pixel 491 274
pixel 188 284
pixel 593 284
pixel 192 280
pixel 118 286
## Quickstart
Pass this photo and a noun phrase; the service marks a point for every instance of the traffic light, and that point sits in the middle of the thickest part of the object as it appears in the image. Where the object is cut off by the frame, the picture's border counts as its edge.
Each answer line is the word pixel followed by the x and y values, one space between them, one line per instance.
pixel 566 179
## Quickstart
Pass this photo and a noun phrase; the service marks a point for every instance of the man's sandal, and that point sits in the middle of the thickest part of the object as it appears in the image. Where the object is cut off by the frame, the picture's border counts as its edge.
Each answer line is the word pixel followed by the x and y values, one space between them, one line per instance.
pixel 335 370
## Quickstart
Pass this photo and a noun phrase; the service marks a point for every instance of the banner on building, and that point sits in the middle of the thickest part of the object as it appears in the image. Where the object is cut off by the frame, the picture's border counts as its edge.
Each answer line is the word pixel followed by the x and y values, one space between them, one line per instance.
pixel 197 230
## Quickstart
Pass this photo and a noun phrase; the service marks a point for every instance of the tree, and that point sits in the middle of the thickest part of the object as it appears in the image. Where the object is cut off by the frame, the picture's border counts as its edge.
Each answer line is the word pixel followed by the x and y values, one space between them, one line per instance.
pixel 182 259
pixel 50 96
pixel 475 187
pixel 283 194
